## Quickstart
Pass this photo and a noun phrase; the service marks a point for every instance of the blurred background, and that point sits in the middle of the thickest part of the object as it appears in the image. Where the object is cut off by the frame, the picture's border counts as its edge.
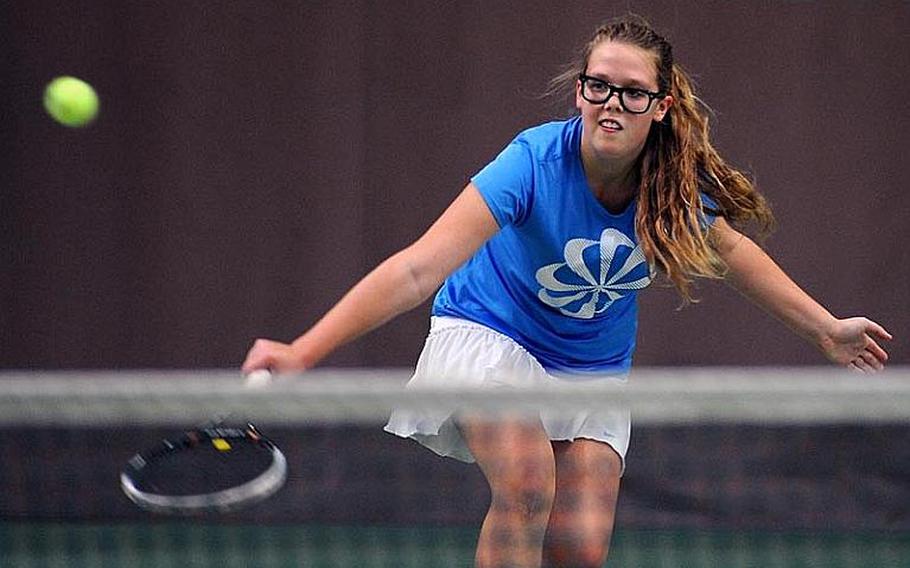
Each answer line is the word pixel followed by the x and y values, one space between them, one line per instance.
pixel 252 160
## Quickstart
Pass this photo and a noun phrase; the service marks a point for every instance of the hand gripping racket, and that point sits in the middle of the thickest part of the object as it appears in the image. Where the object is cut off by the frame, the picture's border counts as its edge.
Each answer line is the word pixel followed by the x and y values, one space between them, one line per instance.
pixel 211 469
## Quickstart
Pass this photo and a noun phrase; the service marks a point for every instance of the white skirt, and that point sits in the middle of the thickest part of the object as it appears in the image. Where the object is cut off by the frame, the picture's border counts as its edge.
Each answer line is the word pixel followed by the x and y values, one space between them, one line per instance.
pixel 461 353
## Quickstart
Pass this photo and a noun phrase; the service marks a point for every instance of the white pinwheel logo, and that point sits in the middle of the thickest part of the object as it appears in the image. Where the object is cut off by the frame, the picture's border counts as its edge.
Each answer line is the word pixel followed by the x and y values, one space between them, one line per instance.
pixel 581 294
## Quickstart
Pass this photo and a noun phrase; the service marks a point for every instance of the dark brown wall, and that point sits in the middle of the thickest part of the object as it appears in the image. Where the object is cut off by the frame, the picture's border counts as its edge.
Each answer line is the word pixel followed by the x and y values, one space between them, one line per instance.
pixel 254 159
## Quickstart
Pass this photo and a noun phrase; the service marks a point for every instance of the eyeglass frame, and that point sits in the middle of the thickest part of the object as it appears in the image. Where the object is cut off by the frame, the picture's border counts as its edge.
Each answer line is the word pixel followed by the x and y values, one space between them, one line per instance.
pixel 620 94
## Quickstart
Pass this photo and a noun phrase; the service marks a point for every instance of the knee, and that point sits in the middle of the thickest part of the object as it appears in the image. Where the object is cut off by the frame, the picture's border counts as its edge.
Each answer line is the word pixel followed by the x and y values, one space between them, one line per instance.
pixel 576 547
pixel 528 498
pixel 528 491
pixel 592 555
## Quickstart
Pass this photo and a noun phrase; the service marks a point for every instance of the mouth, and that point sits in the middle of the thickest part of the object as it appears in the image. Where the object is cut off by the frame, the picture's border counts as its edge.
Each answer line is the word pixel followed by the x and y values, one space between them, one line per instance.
pixel 610 125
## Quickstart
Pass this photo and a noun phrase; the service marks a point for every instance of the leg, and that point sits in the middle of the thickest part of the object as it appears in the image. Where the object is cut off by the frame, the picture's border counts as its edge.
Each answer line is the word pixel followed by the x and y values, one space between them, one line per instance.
pixel 517 460
pixel 587 486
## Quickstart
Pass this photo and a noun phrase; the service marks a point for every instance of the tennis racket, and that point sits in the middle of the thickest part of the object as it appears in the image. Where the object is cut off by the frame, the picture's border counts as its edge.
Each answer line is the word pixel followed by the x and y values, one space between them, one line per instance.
pixel 217 468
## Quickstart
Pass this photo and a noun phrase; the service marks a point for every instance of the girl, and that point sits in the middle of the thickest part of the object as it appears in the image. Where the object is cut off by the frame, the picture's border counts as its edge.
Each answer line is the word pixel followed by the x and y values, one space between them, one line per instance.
pixel 540 259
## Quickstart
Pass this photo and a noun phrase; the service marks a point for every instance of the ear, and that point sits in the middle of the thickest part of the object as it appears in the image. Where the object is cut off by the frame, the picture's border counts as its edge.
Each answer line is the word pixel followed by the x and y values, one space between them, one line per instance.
pixel 662 107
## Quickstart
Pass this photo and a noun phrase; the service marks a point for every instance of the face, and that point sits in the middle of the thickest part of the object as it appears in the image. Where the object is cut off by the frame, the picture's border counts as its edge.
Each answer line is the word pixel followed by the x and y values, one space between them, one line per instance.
pixel 610 132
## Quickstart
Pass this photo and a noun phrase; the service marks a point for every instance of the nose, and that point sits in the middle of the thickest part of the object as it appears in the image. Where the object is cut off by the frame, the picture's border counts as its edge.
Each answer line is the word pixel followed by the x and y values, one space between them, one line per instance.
pixel 610 103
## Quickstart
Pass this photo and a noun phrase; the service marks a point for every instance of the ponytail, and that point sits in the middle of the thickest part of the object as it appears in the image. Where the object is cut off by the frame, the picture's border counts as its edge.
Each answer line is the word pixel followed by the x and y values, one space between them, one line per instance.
pixel 677 167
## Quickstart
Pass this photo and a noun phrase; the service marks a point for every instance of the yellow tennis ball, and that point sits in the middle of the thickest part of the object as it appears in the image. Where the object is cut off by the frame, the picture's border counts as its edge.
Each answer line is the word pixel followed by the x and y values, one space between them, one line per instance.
pixel 71 101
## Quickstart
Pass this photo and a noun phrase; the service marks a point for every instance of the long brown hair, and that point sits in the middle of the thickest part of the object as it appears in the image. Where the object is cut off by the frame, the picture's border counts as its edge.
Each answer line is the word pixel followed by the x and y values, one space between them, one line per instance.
pixel 677 164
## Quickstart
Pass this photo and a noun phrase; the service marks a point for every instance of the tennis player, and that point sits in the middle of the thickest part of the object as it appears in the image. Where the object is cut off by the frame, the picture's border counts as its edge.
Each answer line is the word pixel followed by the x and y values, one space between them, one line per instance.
pixel 540 259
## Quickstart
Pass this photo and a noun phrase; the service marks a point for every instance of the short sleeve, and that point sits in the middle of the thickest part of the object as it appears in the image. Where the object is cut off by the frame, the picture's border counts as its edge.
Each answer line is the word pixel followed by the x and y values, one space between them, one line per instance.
pixel 709 211
pixel 506 184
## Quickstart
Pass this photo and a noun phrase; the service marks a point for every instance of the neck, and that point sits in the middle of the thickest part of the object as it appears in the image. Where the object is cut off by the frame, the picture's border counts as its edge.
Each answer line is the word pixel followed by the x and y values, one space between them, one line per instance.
pixel 614 183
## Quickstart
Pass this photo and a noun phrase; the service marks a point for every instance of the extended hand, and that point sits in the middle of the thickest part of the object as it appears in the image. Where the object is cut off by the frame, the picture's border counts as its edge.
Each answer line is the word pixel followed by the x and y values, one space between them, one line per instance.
pixel 852 342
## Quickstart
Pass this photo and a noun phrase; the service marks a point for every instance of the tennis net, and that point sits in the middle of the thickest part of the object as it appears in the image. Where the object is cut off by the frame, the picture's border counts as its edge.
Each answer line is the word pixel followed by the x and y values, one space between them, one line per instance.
pixel 727 467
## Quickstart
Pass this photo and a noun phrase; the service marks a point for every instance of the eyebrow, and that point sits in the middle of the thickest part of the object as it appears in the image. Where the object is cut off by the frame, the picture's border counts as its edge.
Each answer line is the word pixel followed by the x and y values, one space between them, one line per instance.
pixel 633 83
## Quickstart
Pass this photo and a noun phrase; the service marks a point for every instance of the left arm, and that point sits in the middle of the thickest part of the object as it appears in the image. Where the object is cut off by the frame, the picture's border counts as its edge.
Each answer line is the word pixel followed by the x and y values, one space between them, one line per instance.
pixel 851 342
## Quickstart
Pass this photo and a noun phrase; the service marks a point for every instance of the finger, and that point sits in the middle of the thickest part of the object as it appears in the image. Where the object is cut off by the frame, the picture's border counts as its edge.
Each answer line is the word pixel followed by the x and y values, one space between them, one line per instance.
pixel 863 366
pixel 878 331
pixel 256 357
pixel 257 362
pixel 250 361
pixel 872 360
pixel 852 367
pixel 877 351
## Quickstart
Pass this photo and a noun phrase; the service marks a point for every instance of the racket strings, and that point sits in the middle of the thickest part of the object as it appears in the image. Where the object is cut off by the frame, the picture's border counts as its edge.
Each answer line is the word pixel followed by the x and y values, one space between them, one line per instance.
pixel 198 465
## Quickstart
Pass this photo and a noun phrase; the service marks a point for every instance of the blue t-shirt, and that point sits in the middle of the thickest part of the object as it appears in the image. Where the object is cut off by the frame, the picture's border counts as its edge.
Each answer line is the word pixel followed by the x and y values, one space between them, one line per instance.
pixel 562 275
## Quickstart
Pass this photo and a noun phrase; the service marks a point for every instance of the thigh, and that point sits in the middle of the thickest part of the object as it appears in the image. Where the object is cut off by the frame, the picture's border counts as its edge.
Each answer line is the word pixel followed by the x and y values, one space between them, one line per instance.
pixel 512 454
pixel 587 487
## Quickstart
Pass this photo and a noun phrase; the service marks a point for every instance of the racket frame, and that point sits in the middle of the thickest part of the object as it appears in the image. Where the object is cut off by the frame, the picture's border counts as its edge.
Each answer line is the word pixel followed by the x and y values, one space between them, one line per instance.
pixel 261 487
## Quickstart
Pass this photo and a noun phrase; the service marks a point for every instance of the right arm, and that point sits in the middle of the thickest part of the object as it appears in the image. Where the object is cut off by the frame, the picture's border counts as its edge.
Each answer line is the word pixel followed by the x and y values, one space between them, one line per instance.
pixel 401 283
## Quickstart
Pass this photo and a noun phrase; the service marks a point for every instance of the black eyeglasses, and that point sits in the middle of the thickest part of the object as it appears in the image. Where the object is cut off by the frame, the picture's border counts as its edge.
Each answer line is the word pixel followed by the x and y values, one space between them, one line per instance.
pixel 597 92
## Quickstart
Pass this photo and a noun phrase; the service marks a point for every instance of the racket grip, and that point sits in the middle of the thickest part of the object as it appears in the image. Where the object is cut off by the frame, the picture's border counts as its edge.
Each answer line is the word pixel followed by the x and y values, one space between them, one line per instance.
pixel 258 379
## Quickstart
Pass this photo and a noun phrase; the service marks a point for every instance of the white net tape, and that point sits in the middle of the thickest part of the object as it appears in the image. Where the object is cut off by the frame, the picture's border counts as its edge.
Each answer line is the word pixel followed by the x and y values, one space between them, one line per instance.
pixel 654 396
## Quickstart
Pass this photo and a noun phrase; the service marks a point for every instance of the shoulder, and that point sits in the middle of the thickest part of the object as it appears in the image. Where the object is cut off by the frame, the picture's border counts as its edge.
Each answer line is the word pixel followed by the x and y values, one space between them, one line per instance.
pixel 552 140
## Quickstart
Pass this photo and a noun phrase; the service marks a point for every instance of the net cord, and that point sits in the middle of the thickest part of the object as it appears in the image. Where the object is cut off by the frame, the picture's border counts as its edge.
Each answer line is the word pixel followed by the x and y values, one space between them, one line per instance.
pixel 656 396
